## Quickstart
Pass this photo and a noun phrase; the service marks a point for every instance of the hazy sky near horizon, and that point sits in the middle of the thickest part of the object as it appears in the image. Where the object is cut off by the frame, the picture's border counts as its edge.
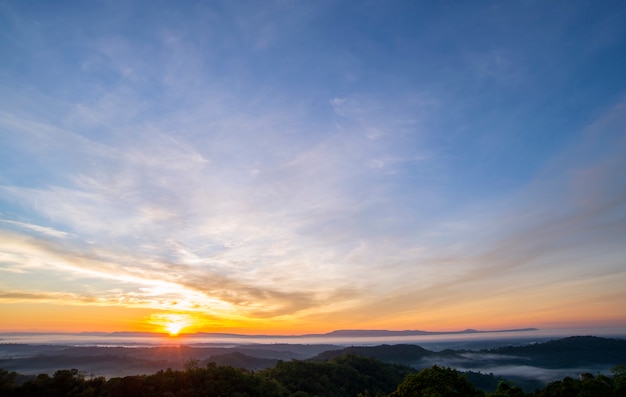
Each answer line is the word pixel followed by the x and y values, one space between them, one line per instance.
pixel 294 166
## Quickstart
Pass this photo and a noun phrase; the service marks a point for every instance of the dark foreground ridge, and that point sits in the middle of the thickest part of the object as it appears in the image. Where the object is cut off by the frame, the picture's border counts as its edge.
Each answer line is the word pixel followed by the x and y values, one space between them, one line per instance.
pixel 345 376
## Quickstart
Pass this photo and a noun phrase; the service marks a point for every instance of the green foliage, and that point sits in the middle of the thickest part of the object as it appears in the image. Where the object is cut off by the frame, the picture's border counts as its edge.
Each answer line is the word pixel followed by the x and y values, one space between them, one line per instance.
pixel 64 383
pixel 506 389
pixel 347 375
pixel 194 381
pixel 7 381
pixel 436 382
pixel 619 379
pixel 587 386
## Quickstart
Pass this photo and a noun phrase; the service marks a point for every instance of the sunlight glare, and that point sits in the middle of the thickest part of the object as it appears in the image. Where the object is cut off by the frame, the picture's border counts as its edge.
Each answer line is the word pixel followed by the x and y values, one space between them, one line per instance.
pixel 173 324
pixel 174 328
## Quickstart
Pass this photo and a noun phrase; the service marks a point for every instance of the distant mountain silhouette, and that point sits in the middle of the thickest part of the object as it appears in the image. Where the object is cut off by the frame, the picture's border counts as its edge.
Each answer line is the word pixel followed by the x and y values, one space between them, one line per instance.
pixel 383 333
pixel 337 333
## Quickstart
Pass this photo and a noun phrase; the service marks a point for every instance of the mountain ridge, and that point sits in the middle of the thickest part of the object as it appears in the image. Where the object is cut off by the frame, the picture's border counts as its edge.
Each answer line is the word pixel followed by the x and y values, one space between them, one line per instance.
pixel 335 333
pixel 383 332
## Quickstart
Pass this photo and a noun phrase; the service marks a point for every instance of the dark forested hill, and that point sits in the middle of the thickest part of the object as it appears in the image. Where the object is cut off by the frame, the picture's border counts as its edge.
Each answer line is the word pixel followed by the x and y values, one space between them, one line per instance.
pixel 570 352
pixel 400 354
pixel 240 360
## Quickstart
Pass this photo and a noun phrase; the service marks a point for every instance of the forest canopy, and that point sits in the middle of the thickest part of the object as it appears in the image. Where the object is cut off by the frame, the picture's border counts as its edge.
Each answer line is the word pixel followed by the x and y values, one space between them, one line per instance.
pixel 348 375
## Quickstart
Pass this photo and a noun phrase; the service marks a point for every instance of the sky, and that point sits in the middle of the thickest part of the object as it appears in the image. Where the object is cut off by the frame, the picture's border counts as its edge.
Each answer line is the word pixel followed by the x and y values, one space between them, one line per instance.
pixel 293 167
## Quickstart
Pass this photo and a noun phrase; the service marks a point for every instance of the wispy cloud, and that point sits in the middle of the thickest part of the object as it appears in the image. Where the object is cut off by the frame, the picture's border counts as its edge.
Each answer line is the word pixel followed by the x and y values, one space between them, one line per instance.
pixel 47 231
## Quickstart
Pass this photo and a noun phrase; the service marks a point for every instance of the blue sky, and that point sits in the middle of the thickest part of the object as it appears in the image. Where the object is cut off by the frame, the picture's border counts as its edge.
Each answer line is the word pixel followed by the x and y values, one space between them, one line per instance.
pixel 306 166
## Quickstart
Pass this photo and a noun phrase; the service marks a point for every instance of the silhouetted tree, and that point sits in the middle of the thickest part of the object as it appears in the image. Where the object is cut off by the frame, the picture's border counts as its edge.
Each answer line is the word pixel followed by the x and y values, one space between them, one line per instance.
pixel 506 389
pixel 619 379
pixel 7 381
pixel 436 382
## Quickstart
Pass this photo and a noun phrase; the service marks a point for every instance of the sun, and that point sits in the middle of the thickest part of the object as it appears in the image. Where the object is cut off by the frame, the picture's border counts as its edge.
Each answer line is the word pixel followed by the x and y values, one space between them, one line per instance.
pixel 171 323
pixel 174 328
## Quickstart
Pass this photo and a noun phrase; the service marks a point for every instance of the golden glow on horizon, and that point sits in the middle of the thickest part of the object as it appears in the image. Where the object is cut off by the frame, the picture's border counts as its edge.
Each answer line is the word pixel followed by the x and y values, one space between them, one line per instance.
pixel 171 323
pixel 484 315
